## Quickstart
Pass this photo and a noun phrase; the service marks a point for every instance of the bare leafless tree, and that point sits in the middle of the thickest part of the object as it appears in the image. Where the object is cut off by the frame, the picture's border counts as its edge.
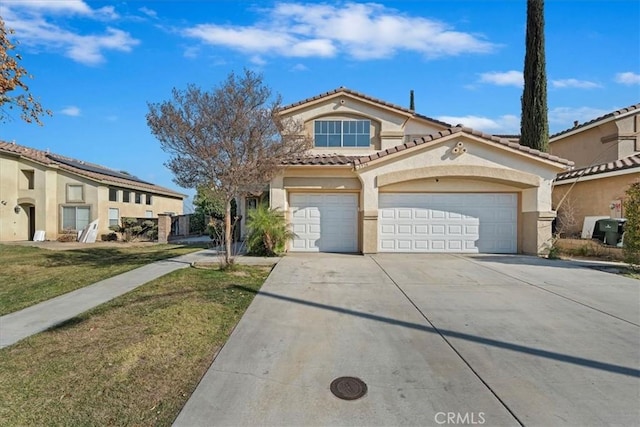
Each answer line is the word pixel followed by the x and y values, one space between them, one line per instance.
pixel 567 217
pixel 232 139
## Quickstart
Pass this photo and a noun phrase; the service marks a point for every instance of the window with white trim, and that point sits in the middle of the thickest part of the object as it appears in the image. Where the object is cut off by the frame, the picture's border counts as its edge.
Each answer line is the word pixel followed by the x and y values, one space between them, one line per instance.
pixel 148 214
pixel 75 218
pixel 342 133
pixel 114 216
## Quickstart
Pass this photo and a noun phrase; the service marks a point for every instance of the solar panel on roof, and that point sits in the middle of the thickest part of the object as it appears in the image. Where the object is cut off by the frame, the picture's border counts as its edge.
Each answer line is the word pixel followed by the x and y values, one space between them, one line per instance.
pixel 97 169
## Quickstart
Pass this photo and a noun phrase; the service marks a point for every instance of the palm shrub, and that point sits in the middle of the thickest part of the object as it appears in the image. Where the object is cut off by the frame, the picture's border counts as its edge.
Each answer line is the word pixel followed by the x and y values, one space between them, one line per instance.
pixel 267 231
pixel 632 226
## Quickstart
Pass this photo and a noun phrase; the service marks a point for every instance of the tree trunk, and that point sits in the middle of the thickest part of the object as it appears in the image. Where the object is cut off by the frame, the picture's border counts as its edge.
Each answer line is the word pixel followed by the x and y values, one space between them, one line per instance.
pixel 534 125
pixel 227 233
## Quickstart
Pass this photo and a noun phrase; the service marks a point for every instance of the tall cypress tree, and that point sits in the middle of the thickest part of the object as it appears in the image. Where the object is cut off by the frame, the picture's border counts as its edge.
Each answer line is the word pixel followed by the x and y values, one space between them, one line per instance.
pixel 534 125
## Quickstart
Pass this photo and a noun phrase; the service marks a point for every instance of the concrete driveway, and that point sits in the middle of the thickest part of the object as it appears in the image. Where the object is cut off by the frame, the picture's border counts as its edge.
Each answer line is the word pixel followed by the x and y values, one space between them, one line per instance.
pixel 439 340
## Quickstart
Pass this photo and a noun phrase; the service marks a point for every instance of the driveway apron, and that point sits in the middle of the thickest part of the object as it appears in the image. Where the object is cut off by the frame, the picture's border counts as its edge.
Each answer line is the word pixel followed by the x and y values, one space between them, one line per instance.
pixel 438 339
pixel 319 317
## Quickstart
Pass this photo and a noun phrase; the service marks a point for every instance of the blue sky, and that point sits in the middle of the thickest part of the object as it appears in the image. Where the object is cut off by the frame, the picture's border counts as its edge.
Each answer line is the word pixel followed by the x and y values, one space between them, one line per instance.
pixel 96 64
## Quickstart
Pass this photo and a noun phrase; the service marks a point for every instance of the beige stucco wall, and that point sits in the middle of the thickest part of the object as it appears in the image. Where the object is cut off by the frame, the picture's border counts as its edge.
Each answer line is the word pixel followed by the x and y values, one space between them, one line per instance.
pixel 434 168
pixel 388 126
pixel 607 142
pixel 49 195
pixel 592 197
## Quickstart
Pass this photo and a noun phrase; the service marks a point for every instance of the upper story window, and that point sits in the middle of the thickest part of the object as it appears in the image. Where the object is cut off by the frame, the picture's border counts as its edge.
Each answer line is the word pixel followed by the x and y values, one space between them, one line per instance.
pixel 113 194
pixel 138 198
pixel 342 133
pixel 27 180
pixel 126 196
pixel 75 193
pixel 148 199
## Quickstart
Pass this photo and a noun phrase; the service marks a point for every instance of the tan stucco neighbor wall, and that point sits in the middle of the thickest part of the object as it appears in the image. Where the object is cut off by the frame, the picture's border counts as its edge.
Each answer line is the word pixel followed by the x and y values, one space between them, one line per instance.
pixel 591 197
pixel 49 195
pixel 606 142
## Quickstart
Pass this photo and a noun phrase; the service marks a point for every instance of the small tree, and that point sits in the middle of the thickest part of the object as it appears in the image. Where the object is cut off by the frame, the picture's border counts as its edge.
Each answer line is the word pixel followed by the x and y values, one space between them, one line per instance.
pixel 231 140
pixel 534 123
pixel 631 246
pixel 267 231
pixel 12 76
pixel 208 206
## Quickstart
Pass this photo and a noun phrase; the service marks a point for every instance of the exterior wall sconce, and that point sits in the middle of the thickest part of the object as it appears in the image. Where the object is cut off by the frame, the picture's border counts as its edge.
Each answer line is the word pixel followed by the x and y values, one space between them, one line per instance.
pixel 17 209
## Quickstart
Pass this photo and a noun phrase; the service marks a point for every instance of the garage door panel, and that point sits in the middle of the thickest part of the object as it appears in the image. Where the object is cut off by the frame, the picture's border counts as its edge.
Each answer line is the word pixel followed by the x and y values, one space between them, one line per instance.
pixel 467 222
pixel 324 222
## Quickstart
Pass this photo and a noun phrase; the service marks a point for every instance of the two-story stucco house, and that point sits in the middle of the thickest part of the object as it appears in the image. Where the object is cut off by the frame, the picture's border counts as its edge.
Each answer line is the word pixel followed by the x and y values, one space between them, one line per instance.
pixel 606 152
pixel 382 178
pixel 52 193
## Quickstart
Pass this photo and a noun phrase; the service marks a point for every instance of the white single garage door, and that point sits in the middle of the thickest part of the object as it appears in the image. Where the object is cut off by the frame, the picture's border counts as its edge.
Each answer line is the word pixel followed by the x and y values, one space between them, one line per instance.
pixel 457 223
pixel 324 222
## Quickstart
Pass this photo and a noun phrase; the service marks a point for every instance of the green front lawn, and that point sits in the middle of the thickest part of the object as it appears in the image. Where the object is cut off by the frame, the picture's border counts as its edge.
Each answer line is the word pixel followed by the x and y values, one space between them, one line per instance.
pixel 132 361
pixel 30 275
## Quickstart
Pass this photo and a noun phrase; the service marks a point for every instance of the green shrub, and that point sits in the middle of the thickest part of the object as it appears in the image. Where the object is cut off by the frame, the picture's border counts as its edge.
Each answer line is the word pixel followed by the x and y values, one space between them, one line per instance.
pixel 267 231
pixel 631 247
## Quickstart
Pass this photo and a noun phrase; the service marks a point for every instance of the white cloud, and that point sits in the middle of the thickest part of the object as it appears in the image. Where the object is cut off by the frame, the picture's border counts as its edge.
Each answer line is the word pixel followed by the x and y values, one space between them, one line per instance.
pixel 628 78
pixel 299 67
pixel 58 6
pixel 62 7
pixel 507 78
pixel 149 12
pixel 565 116
pixel 34 30
pixel 506 124
pixel 574 83
pixel 359 31
pixel 71 110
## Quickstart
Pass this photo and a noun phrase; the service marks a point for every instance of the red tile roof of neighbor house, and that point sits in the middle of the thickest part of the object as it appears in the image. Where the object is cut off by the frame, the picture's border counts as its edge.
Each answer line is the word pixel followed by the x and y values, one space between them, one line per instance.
pixel 598 119
pixel 631 162
pixel 368 98
pixel 337 159
pixel 85 169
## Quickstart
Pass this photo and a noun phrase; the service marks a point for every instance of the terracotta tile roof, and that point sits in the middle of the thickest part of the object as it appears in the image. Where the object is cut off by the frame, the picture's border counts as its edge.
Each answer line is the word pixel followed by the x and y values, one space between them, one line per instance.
pixel 85 169
pixel 425 139
pixel 368 98
pixel 631 162
pixel 322 160
pixel 598 119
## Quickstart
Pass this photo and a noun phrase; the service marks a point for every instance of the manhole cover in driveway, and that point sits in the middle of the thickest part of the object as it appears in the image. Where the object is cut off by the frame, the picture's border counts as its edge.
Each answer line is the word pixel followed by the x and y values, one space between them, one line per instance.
pixel 348 388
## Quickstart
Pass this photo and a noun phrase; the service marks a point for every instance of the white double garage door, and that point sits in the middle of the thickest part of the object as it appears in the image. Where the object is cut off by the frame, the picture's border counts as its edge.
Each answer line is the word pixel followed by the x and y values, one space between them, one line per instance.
pixel 408 222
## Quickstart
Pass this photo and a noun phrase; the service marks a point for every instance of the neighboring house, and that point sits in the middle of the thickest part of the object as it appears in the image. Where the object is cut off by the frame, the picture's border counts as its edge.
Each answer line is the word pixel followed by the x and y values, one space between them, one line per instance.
pixel 55 194
pixel 382 178
pixel 606 152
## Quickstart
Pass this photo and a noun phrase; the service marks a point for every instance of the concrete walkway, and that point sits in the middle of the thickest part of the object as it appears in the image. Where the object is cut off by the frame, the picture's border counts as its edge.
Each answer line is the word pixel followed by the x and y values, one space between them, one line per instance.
pixel 40 317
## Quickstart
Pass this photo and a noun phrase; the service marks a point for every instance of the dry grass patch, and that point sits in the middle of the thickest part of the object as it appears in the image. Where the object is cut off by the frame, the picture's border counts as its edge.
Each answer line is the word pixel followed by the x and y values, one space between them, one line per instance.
pixel 31 275
pixel 133 361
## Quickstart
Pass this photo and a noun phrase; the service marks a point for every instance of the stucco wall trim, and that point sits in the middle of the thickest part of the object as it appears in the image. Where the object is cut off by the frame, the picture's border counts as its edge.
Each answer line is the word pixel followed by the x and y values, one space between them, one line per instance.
pixel 506 176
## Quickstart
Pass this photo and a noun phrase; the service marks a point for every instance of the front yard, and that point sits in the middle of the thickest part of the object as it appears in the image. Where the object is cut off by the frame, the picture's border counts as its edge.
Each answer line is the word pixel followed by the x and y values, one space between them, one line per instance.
pixel 133 361
pixel 32 275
